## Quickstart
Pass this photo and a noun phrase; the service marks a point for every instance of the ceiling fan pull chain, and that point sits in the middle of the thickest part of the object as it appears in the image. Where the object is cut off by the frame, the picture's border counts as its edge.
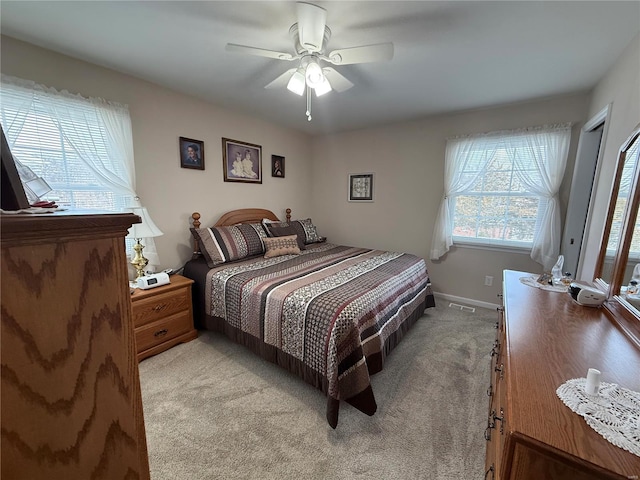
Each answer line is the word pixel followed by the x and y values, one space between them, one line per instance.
pixel 308 104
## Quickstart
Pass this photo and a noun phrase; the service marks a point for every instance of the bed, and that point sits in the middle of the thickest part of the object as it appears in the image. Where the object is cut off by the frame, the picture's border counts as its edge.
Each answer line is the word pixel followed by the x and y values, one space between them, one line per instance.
pixel 327 313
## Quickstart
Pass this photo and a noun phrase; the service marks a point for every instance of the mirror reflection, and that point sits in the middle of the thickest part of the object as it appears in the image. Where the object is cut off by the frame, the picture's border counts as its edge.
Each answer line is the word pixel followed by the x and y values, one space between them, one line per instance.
pixel 617 221
pixel 632 268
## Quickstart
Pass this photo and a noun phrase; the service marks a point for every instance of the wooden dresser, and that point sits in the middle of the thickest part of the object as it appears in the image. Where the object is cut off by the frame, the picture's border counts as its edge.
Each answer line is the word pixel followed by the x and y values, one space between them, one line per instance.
pixel 543 340
pixel 71 404
pixel 163 316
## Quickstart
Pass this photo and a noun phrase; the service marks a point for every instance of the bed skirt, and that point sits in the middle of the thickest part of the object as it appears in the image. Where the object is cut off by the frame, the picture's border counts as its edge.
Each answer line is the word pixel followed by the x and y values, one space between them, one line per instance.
pixel 364 401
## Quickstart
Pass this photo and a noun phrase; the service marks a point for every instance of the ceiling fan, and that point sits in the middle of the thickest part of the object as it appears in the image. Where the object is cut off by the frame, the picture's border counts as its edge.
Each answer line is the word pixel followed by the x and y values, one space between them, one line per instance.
pixel 310 37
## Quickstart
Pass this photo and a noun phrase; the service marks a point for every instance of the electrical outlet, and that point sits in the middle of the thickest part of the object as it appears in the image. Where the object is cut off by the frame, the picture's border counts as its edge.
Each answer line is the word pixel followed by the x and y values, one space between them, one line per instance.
pixel 488 280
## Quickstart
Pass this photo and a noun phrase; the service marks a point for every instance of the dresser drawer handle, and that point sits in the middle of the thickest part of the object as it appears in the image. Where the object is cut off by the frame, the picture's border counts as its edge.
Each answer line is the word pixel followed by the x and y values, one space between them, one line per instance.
pixel 492 471
pixel 499 419
pixel 157 308
pixel 490 425
pixel 161 333
pixel 500 369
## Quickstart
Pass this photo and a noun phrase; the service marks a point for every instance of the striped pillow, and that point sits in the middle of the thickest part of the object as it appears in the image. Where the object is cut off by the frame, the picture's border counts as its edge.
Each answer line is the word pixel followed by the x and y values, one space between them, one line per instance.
pixel 226 244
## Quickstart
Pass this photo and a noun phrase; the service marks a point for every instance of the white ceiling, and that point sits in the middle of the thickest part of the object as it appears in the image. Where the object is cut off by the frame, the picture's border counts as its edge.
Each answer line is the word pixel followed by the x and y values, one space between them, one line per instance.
pixel 449 55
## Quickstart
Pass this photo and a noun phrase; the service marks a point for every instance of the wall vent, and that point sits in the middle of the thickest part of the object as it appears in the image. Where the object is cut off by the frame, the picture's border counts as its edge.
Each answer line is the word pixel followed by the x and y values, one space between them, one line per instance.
pixel 464 308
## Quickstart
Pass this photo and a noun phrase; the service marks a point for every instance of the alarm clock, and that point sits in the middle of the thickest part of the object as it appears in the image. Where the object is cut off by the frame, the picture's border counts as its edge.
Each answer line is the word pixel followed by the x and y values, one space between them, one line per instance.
pixel 153 280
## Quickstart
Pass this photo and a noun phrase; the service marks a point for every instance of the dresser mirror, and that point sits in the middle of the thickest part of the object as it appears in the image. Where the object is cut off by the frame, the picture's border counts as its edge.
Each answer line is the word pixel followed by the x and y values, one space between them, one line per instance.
pixel 620 247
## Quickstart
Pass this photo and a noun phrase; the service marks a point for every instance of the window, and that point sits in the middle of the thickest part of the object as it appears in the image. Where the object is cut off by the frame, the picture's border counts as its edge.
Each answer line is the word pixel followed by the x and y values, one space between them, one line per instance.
pixel 82 147
pixel 69 141
pixel 498 209
pixel 501 189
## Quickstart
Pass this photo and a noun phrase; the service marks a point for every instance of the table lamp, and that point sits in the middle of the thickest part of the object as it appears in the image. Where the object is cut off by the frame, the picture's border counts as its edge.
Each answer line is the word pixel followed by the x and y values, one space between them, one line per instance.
pixel 145 229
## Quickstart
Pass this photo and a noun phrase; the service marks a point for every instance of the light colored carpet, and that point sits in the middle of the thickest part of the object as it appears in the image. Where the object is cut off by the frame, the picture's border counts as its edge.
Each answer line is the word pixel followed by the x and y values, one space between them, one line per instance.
pixel 213 410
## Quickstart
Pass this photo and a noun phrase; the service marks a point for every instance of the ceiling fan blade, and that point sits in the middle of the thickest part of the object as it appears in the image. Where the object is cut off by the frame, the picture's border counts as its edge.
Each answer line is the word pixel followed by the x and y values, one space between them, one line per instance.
pixel 311 23
pixel 365 54
pixel 260 52
pixel 338 82
pixel 282 80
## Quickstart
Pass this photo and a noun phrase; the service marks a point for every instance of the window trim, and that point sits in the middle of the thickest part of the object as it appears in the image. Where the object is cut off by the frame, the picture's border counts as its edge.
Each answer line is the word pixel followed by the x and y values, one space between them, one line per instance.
pixel 482 244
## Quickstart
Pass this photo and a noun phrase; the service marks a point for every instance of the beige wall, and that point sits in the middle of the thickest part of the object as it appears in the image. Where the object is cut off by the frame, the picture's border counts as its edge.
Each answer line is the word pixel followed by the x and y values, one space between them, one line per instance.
pixel 620 88
pixel 408 161
pixel 159 116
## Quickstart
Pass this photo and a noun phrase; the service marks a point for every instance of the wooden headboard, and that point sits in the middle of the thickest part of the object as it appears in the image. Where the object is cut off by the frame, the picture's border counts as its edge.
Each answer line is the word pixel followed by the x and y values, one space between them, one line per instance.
pixel 233 217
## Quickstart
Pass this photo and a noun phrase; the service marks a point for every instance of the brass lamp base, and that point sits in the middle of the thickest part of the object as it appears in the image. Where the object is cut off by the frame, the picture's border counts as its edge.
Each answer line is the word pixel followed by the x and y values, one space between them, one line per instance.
pixel 138 261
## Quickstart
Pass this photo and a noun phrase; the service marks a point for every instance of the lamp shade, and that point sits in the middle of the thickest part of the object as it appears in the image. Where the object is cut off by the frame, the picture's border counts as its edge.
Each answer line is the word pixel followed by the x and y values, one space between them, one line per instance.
pixel 147 228
pixel 296 83
pixel 323 87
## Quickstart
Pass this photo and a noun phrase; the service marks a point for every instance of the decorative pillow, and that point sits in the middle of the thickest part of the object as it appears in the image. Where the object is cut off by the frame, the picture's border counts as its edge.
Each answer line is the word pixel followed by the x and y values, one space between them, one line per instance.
pixel 277 246
pixel 305 229
pixel 225 244
pixel 280 231
pixel 310 231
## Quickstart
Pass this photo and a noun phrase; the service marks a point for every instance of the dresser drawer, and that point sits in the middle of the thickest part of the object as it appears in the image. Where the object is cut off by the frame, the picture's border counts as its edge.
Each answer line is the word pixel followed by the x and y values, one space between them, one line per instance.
pixel 159 332
pixel 154 308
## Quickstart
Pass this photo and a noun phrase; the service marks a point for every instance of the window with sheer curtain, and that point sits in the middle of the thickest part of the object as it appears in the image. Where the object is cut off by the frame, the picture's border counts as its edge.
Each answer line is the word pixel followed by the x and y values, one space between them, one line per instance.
pixel 82 147
pixel 501 190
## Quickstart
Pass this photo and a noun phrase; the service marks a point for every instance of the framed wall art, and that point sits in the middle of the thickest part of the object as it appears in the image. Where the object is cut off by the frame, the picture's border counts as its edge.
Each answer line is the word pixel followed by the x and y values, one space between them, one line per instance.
pixel 241 161
pixel 277 166
pixel 361 187
pixel 191 153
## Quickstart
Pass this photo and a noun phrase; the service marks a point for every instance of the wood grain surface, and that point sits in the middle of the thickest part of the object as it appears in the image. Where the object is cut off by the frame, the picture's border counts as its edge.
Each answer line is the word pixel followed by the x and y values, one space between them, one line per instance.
pixel 551 339
pixel 71 405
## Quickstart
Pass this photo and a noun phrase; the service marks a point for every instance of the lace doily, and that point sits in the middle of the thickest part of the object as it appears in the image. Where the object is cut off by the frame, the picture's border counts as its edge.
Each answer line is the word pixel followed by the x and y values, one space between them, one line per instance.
pixel 532 281
pixel 614 413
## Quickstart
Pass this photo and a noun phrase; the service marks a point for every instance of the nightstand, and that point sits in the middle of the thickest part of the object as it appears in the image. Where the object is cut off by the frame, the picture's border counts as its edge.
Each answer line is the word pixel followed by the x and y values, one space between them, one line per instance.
pixel 163 316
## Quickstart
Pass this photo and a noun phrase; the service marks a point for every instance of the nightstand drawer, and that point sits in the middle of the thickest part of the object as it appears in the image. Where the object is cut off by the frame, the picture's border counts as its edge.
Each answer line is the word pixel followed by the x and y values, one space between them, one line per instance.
pixel 159 332
pixel 160 306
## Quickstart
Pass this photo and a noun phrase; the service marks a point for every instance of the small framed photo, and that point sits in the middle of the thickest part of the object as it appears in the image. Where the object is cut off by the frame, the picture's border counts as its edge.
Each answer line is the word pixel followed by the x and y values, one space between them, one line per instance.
pixel 191 153
pixel 361 187
pixel 277 166
pixel 241 161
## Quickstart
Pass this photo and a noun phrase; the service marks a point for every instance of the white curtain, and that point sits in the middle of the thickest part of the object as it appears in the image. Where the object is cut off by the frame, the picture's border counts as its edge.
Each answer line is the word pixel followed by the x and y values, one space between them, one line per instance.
pixel 465 160
pixel 107 152
pixel 540 158
pixel 72 114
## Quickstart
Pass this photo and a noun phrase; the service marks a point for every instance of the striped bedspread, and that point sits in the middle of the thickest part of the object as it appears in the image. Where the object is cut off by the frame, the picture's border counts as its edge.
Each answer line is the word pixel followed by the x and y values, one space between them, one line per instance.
pixel 332 307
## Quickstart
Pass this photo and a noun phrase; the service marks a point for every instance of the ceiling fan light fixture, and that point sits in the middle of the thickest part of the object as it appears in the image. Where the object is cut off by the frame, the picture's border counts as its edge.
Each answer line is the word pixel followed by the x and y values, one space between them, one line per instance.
pixel 323 87
pixel 313 74
pixel 297 83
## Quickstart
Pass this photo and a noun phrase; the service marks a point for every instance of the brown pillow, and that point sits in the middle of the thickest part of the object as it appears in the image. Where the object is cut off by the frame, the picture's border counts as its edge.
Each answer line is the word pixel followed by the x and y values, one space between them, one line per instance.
pixel 277 246
pixel 305 229
pixel 281 231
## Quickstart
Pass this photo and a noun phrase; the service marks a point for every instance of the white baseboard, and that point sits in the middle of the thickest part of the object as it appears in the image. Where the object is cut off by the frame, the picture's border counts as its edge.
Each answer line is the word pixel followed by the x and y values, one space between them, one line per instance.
pixel 466 301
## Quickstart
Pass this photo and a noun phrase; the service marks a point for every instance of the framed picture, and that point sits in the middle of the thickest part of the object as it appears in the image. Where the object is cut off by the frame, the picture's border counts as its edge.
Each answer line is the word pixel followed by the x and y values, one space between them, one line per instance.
pixel 241 161
pixel 277 166
pixel 191 153
pixel 361 187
